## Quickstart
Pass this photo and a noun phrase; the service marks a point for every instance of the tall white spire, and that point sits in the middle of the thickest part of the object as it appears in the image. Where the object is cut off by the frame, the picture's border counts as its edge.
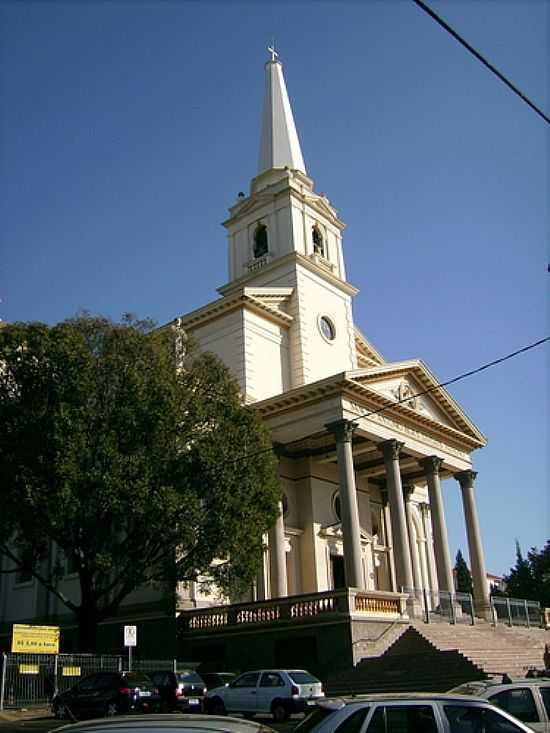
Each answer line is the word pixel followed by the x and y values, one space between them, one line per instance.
pixel 279 144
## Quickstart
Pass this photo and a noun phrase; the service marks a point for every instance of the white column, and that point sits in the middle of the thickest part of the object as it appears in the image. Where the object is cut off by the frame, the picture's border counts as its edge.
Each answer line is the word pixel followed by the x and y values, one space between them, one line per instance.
pixel 477 558
pixel 413 548
pixel 343 432
pixel 277 557
pixel 402 555
pixel 431 466
pixel 389 543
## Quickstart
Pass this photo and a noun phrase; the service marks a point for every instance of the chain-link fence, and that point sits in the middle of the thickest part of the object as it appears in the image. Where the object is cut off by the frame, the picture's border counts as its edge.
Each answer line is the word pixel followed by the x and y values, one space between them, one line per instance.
pixel 516 611
pixel 32 679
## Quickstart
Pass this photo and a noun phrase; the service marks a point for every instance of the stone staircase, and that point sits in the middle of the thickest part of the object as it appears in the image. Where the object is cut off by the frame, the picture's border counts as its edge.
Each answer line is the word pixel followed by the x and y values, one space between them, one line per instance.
pixel 436 657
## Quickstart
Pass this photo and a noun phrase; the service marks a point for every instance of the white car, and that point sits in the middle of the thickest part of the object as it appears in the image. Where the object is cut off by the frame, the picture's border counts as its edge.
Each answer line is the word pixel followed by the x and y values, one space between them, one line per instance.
pixel 280 692
pixel 409 713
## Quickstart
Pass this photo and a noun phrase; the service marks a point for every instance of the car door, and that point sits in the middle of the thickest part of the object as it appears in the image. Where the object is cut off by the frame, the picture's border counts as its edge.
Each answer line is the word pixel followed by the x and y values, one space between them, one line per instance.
pixel 240 696
pixel 81 700
pixel 544 691
pixel 520 702
pixel 272 686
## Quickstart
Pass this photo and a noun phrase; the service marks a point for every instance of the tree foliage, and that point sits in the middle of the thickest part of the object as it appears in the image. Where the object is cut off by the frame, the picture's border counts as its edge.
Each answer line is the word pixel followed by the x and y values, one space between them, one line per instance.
pixel 463 577
pixel 135 471
pixel 530 576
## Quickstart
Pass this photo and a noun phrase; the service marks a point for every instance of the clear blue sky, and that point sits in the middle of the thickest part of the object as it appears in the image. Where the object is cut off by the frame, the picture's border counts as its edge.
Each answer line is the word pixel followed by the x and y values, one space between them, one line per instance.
pixel 127 129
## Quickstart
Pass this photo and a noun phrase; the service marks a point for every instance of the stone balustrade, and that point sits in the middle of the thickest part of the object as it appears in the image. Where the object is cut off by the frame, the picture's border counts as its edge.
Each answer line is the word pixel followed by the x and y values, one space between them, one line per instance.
pixel 347 602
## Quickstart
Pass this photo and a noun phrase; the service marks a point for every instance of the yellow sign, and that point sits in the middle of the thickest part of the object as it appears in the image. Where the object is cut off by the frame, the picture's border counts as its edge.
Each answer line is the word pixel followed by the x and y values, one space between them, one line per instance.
pixel 35 639
pixel 29 669
pixel 70 672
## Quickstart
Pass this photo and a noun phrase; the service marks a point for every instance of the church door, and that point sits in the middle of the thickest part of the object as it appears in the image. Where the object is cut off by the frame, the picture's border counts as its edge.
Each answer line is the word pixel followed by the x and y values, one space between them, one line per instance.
pixel 338 571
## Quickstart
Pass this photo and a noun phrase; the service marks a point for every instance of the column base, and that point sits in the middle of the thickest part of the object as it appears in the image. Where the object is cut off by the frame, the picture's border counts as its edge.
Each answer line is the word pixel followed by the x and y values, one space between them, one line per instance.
pixel 482 609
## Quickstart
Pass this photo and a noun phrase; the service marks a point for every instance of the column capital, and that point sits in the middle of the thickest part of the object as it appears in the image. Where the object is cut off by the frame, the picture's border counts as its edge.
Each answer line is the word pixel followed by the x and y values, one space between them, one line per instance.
pixel 466 479
pixel 391 449
pixel 342 430
pixel 431 464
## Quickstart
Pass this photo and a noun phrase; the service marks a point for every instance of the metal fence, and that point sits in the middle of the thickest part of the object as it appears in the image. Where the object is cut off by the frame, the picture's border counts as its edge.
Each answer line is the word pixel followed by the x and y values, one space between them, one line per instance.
pixel 32 679
pixel 442 606
pixel 516 611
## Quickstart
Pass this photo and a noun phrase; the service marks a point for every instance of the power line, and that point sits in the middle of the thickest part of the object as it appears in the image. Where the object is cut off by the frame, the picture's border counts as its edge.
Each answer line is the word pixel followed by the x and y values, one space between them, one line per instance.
pixel 439 385
pixel 478 56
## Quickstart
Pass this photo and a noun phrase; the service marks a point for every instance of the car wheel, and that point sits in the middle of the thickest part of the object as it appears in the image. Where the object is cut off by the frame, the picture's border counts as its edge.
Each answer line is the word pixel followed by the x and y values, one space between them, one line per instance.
pixel 111 709
pixel 279 712
pixel 59 711
pixel 217 707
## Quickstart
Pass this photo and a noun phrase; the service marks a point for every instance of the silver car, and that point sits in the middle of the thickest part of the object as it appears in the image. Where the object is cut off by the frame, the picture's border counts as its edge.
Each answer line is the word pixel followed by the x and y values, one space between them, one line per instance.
pixel 409 713
pixel 194 723
pixel 526 699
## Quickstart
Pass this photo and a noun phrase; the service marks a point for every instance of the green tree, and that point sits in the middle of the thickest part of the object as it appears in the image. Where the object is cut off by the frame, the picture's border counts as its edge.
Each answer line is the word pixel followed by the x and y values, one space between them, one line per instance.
pixel 530 576
pixel 463 577
pixel 132 467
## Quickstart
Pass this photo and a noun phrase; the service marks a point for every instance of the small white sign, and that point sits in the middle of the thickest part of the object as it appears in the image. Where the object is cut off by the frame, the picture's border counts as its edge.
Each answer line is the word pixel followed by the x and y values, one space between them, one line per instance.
pixel 130 636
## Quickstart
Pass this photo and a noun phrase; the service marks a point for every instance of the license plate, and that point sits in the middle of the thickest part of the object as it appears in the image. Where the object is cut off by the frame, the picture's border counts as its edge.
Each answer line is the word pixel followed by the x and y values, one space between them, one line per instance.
pixel 193 701
pixel 144 693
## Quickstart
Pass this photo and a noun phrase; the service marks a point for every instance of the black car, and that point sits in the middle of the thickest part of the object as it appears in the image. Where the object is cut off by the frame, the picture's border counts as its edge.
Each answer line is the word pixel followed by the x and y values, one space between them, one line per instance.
pixel 217 679
pixel 107 693
pixel 183 691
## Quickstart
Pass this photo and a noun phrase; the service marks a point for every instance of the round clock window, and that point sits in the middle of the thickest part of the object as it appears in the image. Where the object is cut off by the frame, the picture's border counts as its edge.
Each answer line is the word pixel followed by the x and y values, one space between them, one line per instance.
pixel 326 326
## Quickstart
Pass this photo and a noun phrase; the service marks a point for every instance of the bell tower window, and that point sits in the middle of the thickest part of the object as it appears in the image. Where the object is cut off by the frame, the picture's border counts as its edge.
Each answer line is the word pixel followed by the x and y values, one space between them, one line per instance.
pixel 318 243
pixel 260 241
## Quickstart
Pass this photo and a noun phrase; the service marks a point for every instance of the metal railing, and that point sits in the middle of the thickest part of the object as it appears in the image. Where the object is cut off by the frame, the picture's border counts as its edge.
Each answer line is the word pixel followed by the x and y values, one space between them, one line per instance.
pixel 33 679
pixel 441 606
pixel 516 611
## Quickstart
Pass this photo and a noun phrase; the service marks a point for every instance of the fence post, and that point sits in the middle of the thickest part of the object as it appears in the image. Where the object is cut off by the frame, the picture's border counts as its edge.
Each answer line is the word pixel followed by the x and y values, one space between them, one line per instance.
pixel 453 609
pixel 55 674
pixel 509 612
pixel 526 613
pixel 494 612
pixel 3 679
pixel 175 666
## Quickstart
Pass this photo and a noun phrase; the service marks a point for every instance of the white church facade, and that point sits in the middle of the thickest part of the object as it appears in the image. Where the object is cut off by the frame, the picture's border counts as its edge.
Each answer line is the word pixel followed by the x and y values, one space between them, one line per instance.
pixel 362 443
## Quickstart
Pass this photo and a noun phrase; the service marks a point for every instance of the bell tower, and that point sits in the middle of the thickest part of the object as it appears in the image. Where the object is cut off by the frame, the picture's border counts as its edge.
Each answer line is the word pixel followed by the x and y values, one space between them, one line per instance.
pixel 285 318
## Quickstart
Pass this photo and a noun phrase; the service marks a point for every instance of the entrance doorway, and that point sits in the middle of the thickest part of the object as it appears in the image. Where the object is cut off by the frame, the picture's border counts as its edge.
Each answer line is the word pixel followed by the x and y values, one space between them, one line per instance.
pixel 338 571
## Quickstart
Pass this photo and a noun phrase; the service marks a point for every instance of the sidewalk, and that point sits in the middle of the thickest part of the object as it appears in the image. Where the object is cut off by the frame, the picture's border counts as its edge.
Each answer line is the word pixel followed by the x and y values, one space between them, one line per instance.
pixel 30 713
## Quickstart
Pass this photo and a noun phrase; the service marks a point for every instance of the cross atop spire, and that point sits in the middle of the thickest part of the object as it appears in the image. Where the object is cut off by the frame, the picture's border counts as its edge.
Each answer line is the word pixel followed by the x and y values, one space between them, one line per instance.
pixel 279 144
pixel 274 54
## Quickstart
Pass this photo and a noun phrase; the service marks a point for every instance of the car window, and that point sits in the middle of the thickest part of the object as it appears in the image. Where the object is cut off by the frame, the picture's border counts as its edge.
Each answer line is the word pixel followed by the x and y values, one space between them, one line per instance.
pixel 518 702
pixel 250 679
pixel 135 679
pixel 189 676
pixel 354 722
pixel 469 719
pixel 105 681
pixel 403 719
pixel 271 679
pixel 88 683
pixel 302 678
pixel 545 693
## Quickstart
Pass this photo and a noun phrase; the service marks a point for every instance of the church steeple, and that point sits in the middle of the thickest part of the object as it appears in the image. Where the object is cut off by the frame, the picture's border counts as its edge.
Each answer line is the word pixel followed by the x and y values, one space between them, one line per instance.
pixel 279 144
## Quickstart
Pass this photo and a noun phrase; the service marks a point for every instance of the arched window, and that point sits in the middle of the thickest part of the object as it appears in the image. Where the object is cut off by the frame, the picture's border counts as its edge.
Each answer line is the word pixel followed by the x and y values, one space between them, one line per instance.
pixel 318 244
pixel 260 240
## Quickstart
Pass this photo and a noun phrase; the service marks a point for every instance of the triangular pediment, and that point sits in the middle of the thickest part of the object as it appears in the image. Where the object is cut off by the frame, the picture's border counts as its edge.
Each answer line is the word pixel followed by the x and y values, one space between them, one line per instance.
pixel 334 531
pixel 415 389
pixel 367 354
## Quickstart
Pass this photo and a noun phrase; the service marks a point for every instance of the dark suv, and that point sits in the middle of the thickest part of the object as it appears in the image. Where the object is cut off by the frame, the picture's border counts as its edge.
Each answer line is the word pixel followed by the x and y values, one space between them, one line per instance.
pixel 107 693
pixel 183 690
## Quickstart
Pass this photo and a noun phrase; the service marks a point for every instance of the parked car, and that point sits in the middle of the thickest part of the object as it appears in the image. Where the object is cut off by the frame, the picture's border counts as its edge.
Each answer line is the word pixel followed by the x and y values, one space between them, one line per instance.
pixel 106 693
pixel 280 692
pixel 526 699
pixel 182 691
pixel 217 679
pixel 408 713
pixel 167 724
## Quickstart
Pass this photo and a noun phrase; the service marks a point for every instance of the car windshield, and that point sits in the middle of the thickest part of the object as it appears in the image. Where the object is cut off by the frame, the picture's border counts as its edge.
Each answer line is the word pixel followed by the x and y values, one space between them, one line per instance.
pixel 189 675
pixel 133 678
pixel 312 720
pixel 302 678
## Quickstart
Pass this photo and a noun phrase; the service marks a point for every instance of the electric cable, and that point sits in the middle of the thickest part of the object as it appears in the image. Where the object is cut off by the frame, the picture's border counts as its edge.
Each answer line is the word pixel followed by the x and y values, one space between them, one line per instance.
pixel 483 60
pixel 433 388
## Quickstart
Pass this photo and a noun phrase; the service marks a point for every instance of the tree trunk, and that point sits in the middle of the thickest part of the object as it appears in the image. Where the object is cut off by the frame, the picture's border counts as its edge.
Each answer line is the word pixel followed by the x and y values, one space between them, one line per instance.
pixel 88 619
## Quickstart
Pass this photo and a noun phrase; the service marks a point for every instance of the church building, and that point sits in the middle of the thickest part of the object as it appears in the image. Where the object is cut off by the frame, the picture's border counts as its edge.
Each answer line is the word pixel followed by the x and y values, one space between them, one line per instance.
pixel 362 443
